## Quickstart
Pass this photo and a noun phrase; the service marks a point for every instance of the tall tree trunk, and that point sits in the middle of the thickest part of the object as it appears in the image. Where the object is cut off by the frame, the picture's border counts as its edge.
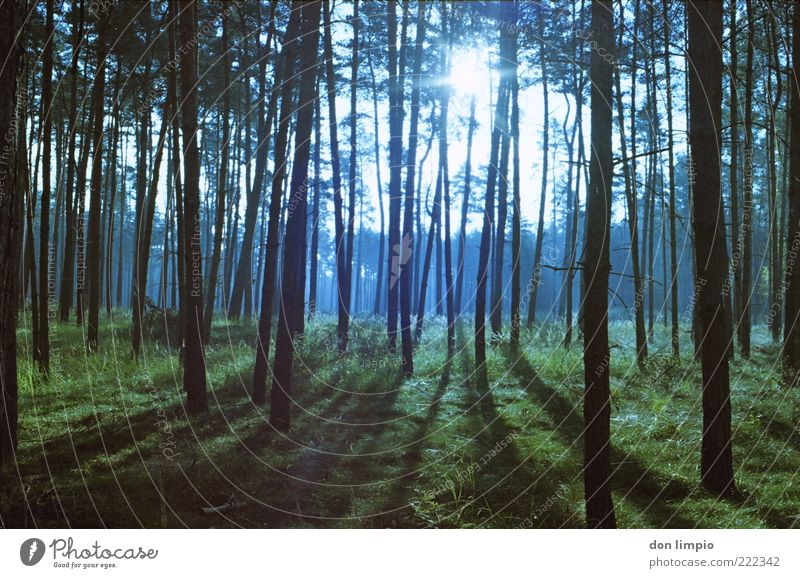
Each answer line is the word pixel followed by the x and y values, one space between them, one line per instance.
pixel 673 217
pixel 791 325
pixel 382 243
pixel 734 275
pixel 496 311
pixel 633 212
pixel 294 248
pixel 93 244
pixel 219 219
pixel 144 235
pixel 194 366
pixel 343 297
pixel 407 243
pixel 172 96
pixel 509 15
pixel 122 212
pixel 537 254
pixel 396 71
pixel 12 181
pixel 443 159
pixel 747 207
pixel 773 320
pixel 42 353
pixel 242 284
pixel 287 64
pixel 312 293
pixel 705 102
pixel 109 244
pixel 462 234
pixel 596 355
pixel 426 265
pixel 68 262
pixel 351 220
pixel 516 222
pixel 569 227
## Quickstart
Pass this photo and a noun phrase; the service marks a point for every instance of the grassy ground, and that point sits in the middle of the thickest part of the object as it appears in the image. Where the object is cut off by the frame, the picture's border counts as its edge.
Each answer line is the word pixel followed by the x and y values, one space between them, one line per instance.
pixel 105 442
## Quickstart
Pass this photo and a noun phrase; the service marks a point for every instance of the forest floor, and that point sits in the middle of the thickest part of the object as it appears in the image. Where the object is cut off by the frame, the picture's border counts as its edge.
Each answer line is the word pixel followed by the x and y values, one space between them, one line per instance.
pixel 106 442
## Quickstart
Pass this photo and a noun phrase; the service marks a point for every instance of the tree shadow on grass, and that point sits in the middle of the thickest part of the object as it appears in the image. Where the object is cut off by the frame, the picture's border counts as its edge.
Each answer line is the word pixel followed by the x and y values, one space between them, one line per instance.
pixel 500 486
pixel 394 509
pixel 657 497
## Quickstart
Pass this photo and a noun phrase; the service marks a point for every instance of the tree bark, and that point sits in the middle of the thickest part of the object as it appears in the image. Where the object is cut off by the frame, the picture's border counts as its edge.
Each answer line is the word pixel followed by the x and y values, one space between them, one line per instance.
pixel 313 274
pixel 633 213
pixel 382 242
pixel 292 291
pixel 351 220
pixel 537 254
pixel 194 367
pixel 508 14
pixel 12 181
pixel 673 240
pixel 287 64
pixel 242 284
pixel 705 102
pixel 791 325
pixel 42 353
pixel 219 218
pixel 462 235
pixel 747 206
pixel 93 244
pixel 144 235
pixel 596 355
pixel 407 243
pixel 68 263
pixel 396 82
pixel 340 249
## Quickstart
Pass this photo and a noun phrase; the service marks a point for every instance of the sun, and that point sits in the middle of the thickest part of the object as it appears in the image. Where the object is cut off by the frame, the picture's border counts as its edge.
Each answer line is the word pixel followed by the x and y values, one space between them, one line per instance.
pixel 469 74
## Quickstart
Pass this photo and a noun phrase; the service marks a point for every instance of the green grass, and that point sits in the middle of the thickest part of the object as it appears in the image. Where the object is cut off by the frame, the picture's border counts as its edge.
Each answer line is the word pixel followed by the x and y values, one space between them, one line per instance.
pixel 105 441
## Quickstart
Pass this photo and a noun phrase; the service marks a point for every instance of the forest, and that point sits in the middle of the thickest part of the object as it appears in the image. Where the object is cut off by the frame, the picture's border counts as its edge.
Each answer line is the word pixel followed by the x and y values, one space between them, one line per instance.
pixel 399 264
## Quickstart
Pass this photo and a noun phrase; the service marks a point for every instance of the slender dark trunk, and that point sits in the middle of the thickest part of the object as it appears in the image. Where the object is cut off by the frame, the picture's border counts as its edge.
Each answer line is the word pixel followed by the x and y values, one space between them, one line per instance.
pixel 351 220
pixel 501 112
pixel 340 249
pixel 537 254
pixel 791 325
pixel 747 207
pixel 673 217
pixel 144 234
pixel 12 18
pixel 194 365
pixel 633 215
pixel 496 311
pixel 219 219
pixel 381 245
pixel 42 355
pixel 312 293
pixel 292 291
pixel 396 82
pixel 705 102
pixel 443 158
pixel 287 63
pixel 596 354
pixel 243 278
pixel 407 243
pixel 426 265
pixel 93 244
pixel 68 263
pixel 462 234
